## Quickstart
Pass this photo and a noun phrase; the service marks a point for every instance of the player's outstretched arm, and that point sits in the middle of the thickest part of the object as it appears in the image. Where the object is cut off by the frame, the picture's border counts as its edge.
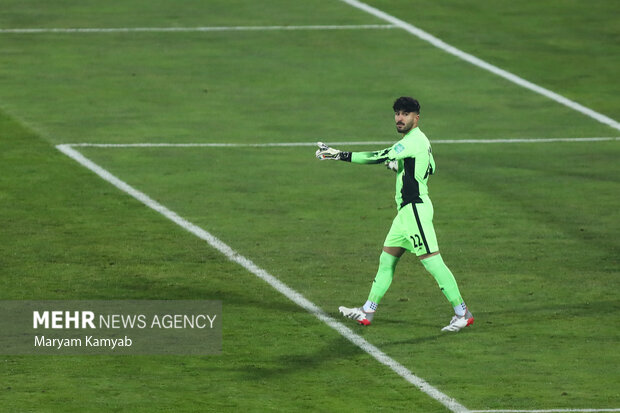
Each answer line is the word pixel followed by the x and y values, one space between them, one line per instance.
pixel 371 157
pixel 327 152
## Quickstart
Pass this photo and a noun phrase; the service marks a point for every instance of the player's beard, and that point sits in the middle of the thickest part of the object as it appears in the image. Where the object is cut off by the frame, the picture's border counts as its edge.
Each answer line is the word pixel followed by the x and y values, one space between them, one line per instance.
pixel 404 128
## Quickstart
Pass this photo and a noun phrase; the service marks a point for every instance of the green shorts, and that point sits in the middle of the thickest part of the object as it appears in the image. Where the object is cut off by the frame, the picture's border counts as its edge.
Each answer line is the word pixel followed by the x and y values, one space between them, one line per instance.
pixel 413 229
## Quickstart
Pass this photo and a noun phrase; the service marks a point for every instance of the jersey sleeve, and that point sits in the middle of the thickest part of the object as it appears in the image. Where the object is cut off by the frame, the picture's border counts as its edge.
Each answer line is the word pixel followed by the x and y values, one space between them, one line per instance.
pixel 400 150
pixel 370 157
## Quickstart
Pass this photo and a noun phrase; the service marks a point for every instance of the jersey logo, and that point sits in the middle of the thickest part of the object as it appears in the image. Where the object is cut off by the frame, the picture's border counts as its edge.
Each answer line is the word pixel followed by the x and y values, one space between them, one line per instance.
pixel 399 148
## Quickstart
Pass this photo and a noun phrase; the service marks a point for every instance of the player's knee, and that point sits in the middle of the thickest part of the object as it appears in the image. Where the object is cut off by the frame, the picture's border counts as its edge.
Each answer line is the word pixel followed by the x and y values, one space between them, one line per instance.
pixel 387 260
pixel 394 251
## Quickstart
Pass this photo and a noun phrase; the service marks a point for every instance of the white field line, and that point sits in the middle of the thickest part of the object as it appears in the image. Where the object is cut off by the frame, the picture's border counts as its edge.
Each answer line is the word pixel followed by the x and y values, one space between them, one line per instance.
pixel 291 294
pixel 195 29
pixel 545 411
pixel 357 143
pixel 481 63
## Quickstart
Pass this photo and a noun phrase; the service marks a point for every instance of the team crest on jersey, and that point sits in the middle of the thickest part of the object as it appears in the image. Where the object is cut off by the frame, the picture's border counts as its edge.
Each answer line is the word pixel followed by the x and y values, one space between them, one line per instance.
pixel 399 148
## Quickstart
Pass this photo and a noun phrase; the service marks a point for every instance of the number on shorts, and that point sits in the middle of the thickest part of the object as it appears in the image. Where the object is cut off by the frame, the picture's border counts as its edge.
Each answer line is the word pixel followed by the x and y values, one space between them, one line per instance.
pixel 417 242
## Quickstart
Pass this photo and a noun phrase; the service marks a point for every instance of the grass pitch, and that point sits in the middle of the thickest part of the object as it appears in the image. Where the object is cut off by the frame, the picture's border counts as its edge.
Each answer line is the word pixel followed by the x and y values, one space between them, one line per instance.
pixel 530 230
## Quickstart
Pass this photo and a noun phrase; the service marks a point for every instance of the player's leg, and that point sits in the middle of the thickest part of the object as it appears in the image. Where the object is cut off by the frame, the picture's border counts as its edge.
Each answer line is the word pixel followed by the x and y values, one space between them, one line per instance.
pixel 427 249
pixel 387 265
pixel 435 265
pixel 394 248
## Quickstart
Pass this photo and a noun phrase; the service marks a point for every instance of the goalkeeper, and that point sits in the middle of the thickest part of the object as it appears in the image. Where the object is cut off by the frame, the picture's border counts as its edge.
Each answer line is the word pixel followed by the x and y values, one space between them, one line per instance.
pixel 412 228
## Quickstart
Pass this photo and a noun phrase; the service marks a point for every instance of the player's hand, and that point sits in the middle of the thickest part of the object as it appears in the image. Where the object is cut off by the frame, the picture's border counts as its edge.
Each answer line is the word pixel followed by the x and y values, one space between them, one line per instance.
pixel 325 152
pixel 392 165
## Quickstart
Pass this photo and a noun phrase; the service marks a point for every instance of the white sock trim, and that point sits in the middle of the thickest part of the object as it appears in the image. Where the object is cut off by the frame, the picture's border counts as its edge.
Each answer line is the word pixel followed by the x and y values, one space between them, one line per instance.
pixel 370 307
pixel 460 310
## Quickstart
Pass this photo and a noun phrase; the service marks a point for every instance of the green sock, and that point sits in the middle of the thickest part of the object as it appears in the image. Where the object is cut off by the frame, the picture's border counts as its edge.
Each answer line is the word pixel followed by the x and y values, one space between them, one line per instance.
pixel 387 264
pixel 444 278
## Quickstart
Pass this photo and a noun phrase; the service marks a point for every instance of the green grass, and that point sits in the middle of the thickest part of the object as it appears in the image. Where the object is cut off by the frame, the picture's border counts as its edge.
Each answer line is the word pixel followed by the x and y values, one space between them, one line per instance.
pixel 531 231
pixel 525 252
pixel 557 45
pixel 69 237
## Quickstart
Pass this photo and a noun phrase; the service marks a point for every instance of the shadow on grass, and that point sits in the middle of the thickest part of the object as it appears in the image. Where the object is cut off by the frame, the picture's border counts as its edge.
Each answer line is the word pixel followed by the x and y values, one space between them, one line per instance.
pixel 142 287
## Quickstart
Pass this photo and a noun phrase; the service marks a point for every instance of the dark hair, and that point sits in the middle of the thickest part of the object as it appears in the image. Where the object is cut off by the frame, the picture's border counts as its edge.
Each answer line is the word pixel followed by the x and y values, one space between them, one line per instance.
pixel 407 104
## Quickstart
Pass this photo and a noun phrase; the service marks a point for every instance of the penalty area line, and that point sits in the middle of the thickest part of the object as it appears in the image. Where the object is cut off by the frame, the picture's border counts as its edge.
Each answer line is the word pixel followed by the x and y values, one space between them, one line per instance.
pixel 194 29
pixel 278 285
pixel 358 143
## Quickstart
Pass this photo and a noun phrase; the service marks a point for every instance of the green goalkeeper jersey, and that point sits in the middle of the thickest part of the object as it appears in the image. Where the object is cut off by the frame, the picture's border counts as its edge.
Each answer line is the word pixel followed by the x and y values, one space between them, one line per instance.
pixel 415 164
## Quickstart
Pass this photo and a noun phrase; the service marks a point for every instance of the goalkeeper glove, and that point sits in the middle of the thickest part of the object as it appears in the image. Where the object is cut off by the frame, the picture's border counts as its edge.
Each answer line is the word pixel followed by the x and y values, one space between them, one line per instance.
pixel 325 152
pixel 392 165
